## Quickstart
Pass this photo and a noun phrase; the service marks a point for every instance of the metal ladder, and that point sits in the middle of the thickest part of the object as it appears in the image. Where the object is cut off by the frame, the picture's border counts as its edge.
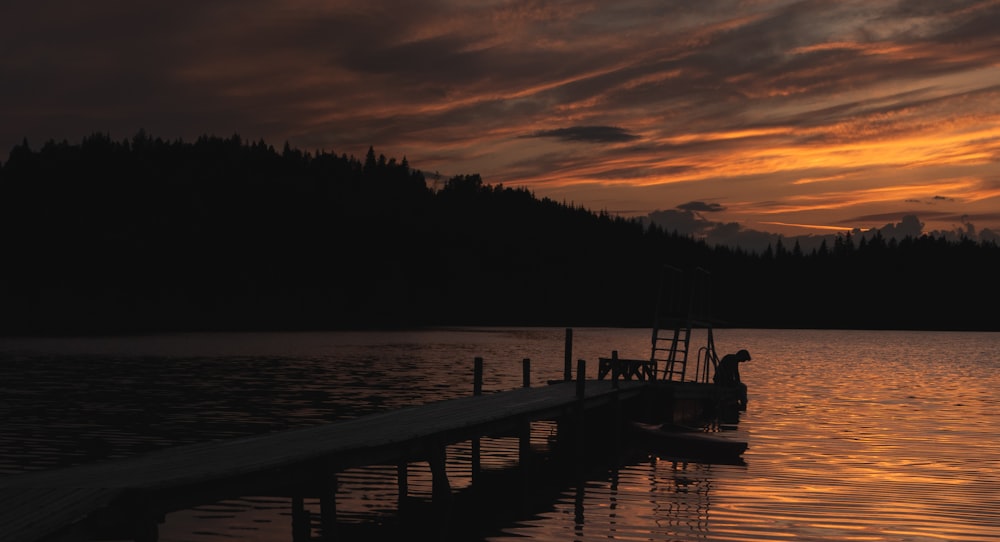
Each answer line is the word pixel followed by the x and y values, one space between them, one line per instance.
pixel 676 350
pixel 682 302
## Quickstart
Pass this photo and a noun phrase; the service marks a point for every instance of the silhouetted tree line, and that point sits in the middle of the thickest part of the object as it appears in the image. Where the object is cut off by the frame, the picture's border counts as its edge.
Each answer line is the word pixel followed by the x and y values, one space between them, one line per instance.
pixel 145 234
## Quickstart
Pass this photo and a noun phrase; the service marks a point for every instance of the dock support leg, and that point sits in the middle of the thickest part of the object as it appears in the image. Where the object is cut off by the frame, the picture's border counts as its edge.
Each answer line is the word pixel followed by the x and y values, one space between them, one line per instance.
pixel 581 371
pixel 146 523
pixel 402 483
pixel 147 530
pixel 328 507
pixel 524 444
pixel 526 464
pixel 441 488
pixel 301 523
pixel 578 508
pixel 616 424
pixel 476 459
pixel 477 389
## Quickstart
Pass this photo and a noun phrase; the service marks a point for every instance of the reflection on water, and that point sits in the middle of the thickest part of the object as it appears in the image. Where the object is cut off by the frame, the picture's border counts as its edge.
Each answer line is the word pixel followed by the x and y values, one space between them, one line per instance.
pixel 883 436
pixel 649 497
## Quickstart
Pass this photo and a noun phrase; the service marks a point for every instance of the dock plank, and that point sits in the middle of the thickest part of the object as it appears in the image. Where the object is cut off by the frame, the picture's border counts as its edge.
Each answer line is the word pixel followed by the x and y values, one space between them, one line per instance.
pixel 31 514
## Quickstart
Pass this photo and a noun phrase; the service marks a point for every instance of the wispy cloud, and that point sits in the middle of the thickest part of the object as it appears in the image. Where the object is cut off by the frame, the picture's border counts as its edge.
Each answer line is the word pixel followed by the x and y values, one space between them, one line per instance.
pixel 588 134
pixel 701 207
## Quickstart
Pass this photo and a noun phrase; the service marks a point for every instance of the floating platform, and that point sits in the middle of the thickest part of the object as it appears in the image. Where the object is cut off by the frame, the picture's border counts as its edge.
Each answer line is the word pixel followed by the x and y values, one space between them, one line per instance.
pixel 686 443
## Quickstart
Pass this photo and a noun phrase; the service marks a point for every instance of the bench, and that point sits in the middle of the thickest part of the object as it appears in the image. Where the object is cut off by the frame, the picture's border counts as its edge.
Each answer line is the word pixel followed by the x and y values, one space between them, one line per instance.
pixel 625 369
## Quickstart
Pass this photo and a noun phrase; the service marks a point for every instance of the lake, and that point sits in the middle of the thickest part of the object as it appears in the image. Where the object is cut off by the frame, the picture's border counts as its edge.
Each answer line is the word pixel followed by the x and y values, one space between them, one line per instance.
pixel 853 435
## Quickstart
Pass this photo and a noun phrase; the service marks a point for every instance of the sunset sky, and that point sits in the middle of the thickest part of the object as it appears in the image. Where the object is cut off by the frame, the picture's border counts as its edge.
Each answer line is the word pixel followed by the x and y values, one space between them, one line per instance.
pixel 718 117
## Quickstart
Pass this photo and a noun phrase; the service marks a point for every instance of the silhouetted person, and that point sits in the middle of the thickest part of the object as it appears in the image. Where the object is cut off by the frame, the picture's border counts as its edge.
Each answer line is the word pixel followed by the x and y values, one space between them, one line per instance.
pixel 728 371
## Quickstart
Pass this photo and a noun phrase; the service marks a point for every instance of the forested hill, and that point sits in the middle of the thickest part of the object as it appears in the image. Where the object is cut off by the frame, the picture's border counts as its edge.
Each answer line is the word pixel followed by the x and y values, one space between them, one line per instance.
pixel 144 235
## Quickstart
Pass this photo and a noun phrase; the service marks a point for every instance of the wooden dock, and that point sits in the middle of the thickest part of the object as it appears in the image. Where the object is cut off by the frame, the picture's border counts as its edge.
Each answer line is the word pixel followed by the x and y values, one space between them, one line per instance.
pixel 132 494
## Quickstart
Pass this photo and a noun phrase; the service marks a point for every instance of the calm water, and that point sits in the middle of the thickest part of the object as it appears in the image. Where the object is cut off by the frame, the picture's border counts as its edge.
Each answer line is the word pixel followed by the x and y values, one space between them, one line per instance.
pixel 854 435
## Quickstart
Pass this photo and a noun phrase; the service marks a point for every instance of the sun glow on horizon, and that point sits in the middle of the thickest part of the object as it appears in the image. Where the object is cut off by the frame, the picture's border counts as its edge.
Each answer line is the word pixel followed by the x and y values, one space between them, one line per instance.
pixel 812 226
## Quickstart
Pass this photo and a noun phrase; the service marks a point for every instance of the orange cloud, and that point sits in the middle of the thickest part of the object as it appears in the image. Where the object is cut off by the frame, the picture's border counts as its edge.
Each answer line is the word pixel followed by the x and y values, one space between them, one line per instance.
pixel 784 107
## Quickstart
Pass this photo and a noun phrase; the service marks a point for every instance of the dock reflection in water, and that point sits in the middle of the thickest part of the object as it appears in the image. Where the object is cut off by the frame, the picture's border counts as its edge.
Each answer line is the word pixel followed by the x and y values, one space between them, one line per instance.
pixel 647 497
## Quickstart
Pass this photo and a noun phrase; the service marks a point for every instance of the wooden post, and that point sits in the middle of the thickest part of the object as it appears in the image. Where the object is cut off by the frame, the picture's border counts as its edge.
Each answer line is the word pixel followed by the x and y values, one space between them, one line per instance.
pixel 477 377
pixel 477 389
pixel 581 371
pixel 476 462
pixel 524 445
pixel 301 525
pixel 524 462
pixel 568 370
pixel 145 520
pixel 614 369
pixel 578 507
pixel 616 421
pixel 437 457
pixel 440 487
pixel 524 448
pixel 402 483
pixel 146 527
pixel 328 507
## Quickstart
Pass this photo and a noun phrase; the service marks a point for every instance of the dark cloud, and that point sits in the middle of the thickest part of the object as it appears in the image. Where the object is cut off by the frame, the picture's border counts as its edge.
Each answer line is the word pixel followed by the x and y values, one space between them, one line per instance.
pixel 908 226
pixel 732 234
pixel 687 223
pixel 686 219
pixel 589 134
pixel 890 216
pixel 700 206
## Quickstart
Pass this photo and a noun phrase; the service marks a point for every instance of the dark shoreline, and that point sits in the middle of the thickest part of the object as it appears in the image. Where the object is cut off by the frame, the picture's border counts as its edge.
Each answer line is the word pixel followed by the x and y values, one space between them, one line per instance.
pixel 149 236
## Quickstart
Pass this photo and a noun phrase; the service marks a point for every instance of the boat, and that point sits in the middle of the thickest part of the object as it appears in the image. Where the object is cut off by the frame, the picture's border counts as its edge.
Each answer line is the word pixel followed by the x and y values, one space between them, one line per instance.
pixel 688 443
